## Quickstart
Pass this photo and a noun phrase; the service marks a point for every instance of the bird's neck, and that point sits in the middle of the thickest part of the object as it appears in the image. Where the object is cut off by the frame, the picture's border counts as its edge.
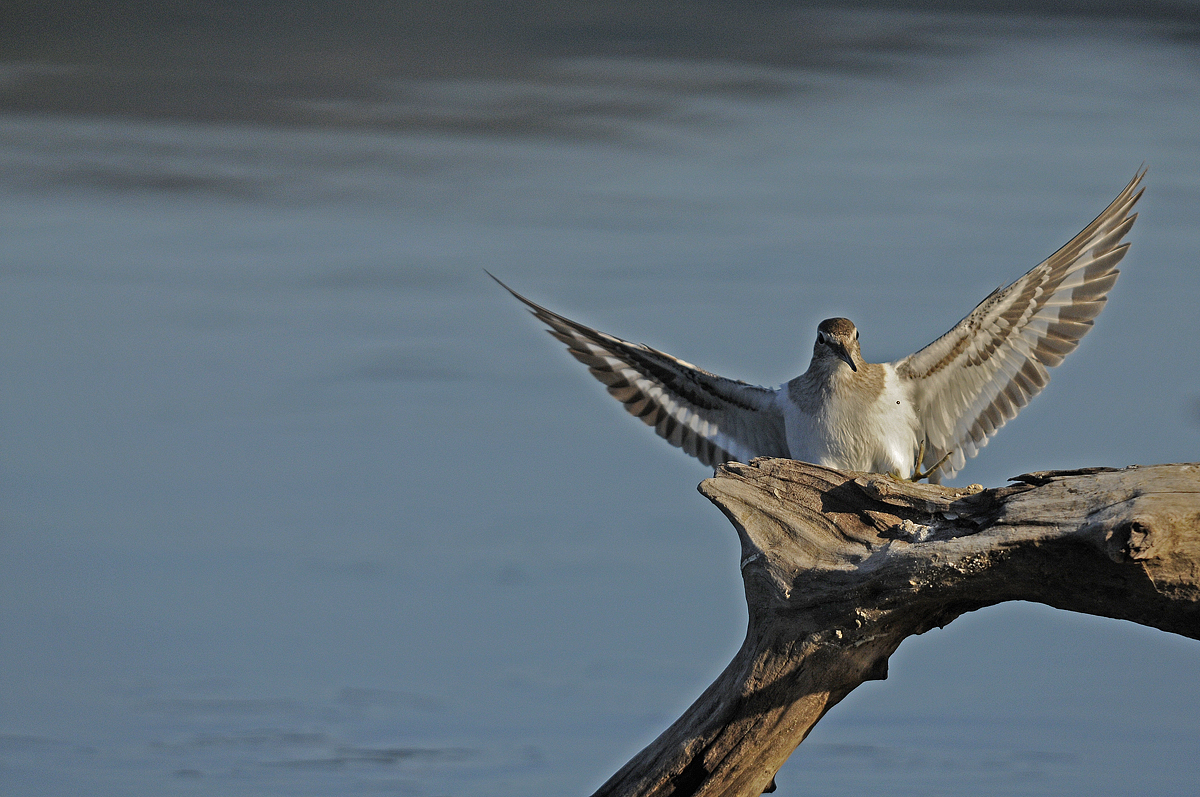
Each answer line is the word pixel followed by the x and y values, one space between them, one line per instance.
pixel 813 388
pixel 826 378
pixel 829 371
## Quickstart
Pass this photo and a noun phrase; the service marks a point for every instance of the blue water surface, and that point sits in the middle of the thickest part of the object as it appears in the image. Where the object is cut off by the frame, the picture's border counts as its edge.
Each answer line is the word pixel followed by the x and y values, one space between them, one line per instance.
pixel 296 501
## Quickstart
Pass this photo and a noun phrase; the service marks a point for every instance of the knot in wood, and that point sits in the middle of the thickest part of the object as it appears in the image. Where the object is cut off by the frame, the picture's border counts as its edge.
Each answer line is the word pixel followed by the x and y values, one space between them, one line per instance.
pixel 1133 540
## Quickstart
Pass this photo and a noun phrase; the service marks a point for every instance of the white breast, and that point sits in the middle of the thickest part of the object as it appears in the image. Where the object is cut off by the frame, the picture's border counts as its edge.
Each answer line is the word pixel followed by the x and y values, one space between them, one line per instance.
pixel 852 429
pixel 898 427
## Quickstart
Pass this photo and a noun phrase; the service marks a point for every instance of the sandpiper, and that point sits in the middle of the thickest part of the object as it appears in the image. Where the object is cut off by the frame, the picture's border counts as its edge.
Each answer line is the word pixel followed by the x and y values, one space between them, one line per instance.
pixel 922 416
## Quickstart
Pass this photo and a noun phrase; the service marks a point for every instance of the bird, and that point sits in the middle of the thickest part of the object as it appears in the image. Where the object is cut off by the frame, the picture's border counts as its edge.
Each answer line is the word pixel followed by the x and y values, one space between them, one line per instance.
pixel 920 417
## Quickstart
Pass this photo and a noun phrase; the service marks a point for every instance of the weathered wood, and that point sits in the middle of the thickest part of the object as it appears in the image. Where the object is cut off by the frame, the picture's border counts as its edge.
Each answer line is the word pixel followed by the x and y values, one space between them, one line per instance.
pixel 840 568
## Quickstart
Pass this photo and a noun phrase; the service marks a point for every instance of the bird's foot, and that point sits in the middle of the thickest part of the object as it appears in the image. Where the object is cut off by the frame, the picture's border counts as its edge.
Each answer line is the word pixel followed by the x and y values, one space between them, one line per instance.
pixel 918 474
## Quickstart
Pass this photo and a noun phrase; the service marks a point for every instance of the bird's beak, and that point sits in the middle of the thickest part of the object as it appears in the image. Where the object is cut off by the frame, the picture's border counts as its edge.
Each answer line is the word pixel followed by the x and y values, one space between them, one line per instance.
pixel 845 355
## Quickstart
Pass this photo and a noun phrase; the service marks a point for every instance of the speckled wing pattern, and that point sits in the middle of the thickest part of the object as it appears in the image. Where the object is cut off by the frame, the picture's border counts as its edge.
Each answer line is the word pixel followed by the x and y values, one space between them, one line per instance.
pixel 972 380
pixel 710 417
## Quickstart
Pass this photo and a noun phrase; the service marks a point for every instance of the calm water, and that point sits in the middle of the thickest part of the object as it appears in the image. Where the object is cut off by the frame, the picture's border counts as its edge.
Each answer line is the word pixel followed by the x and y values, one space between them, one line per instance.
pixel 296 501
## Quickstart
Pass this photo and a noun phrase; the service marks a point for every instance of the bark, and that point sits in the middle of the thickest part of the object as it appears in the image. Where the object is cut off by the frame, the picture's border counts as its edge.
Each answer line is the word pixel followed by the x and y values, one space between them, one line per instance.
pixel 840 568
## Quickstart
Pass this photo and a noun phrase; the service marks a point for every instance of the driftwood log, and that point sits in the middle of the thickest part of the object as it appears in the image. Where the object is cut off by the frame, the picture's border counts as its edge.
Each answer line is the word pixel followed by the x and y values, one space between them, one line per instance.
pixel 840 568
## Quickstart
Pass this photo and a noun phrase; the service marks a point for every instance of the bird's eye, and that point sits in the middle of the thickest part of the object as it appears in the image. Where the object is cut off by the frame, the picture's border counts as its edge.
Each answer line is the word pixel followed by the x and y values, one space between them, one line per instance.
pixel 856 334
pixel 820 337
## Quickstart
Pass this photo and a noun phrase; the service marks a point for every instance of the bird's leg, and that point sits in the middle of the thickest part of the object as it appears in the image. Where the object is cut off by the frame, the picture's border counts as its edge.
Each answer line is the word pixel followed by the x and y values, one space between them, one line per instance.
pixel 917 473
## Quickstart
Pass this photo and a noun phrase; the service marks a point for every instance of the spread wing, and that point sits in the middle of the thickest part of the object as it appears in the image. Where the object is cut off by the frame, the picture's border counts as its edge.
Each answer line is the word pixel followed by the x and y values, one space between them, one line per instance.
pixel 712 418
pixel 972 380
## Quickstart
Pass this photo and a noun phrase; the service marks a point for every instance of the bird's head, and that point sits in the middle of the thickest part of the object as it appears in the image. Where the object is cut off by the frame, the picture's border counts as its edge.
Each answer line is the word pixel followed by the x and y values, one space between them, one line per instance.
pixel 837 339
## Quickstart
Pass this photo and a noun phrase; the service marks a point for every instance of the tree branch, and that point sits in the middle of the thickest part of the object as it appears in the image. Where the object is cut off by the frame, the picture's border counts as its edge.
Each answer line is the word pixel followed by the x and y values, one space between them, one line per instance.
pixel 840 568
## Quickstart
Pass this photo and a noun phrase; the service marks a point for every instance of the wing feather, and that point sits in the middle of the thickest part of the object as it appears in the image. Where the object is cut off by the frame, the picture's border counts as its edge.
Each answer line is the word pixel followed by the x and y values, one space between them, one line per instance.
pixel 710 417
pixel 972 380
